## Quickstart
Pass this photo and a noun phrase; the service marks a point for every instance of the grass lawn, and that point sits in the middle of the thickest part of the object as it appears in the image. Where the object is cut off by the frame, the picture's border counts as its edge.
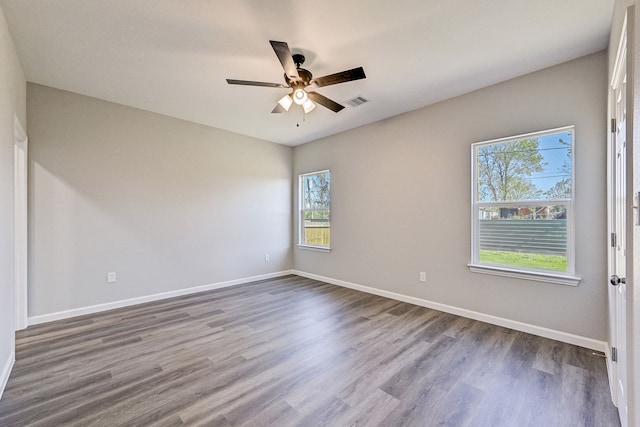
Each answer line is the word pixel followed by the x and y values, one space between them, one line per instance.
pixel 545 262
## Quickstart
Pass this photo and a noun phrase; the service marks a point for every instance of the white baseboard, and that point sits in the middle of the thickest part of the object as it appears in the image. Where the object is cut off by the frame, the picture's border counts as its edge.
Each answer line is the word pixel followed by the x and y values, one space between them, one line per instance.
pixel 500 321
pixel 34 320
pixel 6 371
pixel 487 318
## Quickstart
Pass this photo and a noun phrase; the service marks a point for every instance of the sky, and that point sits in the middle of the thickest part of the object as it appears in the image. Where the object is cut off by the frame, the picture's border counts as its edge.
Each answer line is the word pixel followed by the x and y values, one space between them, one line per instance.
pixel 555 154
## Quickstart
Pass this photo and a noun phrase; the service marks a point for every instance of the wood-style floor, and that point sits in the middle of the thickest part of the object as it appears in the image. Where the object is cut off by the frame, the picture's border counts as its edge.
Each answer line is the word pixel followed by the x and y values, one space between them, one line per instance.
pixel 297 352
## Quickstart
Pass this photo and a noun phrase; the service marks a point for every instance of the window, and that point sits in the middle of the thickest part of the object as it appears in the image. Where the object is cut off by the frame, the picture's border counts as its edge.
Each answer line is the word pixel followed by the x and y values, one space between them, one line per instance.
pixel 315 210
pixel 522 219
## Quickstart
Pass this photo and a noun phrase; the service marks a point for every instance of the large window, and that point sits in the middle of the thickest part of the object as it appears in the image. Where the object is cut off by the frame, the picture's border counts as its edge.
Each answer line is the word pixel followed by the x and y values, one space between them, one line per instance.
pixel 315 209
pixel 522 219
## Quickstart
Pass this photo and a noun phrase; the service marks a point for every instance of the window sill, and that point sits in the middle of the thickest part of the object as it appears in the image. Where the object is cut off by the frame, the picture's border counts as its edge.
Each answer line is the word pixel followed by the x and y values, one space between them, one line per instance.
pixel 558 279
pixel 314 248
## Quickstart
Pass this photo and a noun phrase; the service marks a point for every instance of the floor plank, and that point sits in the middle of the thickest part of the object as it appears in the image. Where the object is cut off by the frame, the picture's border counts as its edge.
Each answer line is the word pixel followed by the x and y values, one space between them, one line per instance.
pixel 294 351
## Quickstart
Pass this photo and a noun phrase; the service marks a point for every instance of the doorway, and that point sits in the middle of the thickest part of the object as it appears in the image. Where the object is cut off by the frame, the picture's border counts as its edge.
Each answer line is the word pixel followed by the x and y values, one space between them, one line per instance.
pixel 20 151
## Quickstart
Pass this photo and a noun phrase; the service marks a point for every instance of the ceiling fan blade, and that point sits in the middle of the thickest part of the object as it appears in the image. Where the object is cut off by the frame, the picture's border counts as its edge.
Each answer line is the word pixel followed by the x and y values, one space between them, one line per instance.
pixel 342 77
pixel 286 59
pixel 252 83
pixel 325 102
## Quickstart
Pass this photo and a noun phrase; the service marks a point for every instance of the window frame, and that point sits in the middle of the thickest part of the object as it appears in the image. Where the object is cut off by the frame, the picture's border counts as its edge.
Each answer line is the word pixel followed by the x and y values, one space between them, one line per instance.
pixel 567 277
pixel 302 210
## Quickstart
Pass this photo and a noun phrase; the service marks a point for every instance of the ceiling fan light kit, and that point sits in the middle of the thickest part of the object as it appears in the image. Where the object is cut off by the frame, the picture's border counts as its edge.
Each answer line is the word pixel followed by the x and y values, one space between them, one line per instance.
pixel 308 106
pixel 300 96
pixel 286 102
pixel 298 79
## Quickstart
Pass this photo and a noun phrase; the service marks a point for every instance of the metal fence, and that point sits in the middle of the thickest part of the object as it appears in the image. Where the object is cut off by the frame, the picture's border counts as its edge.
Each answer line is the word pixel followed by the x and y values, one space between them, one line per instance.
pixel 521 235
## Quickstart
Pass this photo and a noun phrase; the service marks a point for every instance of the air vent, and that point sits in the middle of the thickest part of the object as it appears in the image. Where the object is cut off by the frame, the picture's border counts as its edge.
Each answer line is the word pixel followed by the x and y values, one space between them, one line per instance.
pixel 357 101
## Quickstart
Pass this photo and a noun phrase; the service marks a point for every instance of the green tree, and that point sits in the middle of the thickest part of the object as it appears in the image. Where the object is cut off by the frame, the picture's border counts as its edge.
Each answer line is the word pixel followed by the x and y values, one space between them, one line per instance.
pixel 503 170
pixel 561 190
pixel 317 195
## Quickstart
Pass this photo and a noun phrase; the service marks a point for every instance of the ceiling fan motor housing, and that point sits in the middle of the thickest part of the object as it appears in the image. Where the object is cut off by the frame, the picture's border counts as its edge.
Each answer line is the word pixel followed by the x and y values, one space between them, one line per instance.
pixel 305 77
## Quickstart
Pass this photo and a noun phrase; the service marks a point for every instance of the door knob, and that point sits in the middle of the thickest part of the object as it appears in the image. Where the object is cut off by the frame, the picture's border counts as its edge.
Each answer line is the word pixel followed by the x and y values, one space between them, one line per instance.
pixel 615 280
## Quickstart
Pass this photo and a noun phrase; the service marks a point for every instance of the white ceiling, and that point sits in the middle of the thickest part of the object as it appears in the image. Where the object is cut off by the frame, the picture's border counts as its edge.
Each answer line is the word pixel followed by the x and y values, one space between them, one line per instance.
pixel 173 56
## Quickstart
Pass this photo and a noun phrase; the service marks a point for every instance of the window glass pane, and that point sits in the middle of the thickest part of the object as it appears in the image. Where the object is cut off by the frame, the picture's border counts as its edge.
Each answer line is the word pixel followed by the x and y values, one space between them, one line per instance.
pixel 316 216
pixel 533 237
pixel 316 228
pixel 315 204
pixel 533 168
pixel 316 191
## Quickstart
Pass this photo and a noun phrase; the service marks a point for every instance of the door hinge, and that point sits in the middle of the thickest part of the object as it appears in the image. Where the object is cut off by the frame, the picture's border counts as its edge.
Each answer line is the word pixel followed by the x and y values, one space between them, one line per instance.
pixel 613 125
pixel 613 240
pixel 614 354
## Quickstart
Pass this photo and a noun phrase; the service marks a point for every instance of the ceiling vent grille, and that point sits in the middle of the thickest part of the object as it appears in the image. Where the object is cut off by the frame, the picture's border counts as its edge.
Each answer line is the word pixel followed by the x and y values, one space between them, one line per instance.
pixel 357 101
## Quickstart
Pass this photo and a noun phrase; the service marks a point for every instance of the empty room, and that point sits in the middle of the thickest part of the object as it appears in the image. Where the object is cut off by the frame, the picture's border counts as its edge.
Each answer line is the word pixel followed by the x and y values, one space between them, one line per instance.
pixel 296 213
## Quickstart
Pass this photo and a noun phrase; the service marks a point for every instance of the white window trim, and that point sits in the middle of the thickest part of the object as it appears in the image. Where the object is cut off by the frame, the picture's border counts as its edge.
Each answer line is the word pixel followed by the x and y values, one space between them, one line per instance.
pixel 562 278
pixel 301 210
pixel 314 248
pixel 538 276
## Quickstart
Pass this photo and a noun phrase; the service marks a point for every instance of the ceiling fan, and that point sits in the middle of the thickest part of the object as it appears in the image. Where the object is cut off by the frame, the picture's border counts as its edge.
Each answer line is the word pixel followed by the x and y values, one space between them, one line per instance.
pixel 298 79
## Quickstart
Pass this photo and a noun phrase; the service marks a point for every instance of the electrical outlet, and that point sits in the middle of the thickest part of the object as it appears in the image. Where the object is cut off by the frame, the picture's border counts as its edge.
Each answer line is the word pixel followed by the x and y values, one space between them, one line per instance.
pixel 266 258
pixel 111 277
pixel 423 276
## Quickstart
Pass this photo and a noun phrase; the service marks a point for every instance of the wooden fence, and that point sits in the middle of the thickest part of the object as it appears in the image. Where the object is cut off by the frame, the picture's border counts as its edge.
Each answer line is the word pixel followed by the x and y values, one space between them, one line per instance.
pixel 317 235
pixel 521 235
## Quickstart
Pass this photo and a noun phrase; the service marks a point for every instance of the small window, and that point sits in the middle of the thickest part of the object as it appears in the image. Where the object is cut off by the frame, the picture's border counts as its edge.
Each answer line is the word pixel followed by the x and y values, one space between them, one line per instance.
pixel 522 217
pixel 315 209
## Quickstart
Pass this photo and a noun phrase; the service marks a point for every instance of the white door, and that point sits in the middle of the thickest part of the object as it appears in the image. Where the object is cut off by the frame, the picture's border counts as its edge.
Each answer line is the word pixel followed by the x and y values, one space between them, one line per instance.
pixel 618 287
pixel 20 223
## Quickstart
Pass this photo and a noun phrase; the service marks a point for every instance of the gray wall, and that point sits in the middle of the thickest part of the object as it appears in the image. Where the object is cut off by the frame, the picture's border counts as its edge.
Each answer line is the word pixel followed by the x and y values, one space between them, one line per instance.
pixel 401 198
pixel 169 204
pixel 12 100
pixel 164 203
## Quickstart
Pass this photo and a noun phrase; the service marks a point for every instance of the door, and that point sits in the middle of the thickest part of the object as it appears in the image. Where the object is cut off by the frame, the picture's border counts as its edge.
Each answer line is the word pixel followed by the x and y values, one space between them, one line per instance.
pixel 20 224
pixel 617 261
